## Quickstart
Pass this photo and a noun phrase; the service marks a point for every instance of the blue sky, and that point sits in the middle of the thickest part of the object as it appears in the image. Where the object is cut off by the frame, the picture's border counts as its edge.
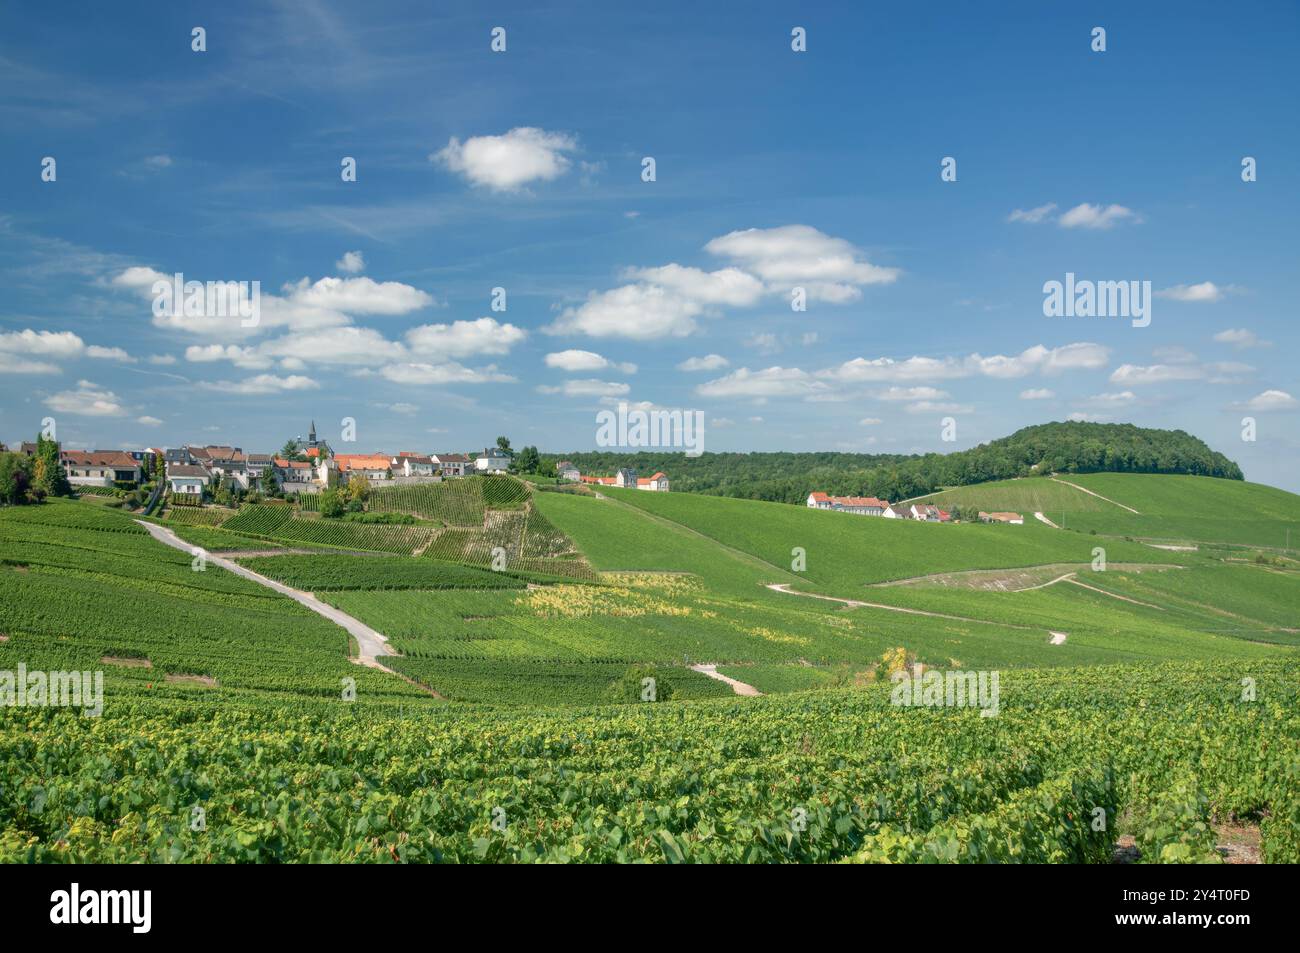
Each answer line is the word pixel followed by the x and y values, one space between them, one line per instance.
pixel 775 170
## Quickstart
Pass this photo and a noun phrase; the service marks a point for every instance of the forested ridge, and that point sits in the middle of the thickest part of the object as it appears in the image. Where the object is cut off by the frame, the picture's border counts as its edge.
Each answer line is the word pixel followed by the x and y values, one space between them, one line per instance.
pixel 1069 447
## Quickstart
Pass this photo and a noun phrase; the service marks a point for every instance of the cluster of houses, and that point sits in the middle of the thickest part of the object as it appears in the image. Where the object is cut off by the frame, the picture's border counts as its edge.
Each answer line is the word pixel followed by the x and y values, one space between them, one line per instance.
pixel 870 506
pixel 625 478
pixel 925 512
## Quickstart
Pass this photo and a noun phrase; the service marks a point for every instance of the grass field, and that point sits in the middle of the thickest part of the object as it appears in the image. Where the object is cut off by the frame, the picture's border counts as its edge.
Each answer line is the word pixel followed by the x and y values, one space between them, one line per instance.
pixel 1169 508
pixel 1122 688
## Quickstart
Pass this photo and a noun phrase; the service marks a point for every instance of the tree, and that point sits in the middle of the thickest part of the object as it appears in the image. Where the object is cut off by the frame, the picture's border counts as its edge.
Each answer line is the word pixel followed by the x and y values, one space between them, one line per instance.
pixel 358 490
pixel 292 450
pixel 47 472
pixel 528 460
pixel 269 486
pixel 15 478
pixel 503 444
pixel 331 504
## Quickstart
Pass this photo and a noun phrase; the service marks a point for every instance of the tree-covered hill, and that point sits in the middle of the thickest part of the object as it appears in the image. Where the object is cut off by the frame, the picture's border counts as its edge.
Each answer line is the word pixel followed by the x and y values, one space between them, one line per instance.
pixel 1071 447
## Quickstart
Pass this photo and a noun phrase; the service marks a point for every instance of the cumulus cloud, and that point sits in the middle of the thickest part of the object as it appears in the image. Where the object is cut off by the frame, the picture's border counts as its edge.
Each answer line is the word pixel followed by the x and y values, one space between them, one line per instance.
pixel 1036 393
pixel 709 362
pixel 1033 216
pixel 668 300
pixel 1206 291
pixel 1241 338
pixel 576 361
pixel 109 354
pixel 640 312
pixel 590 387
pixel 148 421
pixel 788 256
pixel 1038 359
pixel 262 384
pixel 450 372
pixel 508 162
pixel 352 263
pixel 1271 400
pixel 911 393
pixel 1080 417
pixel 1114 399
pixel 89 400
pixel 303 305
pixel 869 421
pixel 1096 216
pixel 937 407
pixel 31 352
pixel 1155 373
pixel 464 338
pixel 769 382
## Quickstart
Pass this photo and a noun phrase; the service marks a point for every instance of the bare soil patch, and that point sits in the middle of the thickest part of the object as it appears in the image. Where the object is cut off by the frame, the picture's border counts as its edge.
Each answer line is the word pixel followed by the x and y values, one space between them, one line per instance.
pixel 126 662
pixel 205 680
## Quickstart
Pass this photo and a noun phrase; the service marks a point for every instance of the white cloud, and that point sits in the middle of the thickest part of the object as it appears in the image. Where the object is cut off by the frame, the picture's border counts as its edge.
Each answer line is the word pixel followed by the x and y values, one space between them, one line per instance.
pixel 54 344
pixel 1034 215
pixel 640 312
pixel 247 357
pixel 765 343
pixel 1036 393
pixel 587 388
pixel 911 393
pixel 576 361
pixel 726 286
pixel 1272 400
pixel 1241 338
pixel 163 359
pixel 158 163
pixel 358 296
pixel 788 256
pixel 869 421
pixel 1115 399
pixel 148 421
pixel 450 372
pixel 709 362
pixel 1173 354
pixel 109 354
pixel 508 162
pixel 464 338
pixel 936 407
pixel 1080 417
pixel 20 364
pixel 770 382
pixel 1155 373
pixel 1096 216
pixel 352 263
pixel 1037 359
pixel 400 407
pixel 262 384
pixel 1206 291
pixel 89 400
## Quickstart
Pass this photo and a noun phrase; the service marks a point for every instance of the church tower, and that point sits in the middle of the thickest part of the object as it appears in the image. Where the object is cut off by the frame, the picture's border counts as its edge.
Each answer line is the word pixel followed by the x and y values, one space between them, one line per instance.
pixel 311 435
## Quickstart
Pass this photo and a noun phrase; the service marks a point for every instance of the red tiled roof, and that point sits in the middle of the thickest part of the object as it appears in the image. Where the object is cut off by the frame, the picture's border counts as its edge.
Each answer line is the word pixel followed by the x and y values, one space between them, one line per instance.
pixel 99 458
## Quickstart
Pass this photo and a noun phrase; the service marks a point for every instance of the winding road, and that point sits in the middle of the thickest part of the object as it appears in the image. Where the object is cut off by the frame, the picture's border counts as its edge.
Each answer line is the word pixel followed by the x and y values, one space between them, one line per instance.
pixel 370 643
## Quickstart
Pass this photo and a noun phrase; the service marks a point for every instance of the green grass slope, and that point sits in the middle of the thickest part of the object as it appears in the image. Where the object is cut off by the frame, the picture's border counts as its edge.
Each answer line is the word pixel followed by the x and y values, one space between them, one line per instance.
pixel 846 552
pixel 1170 508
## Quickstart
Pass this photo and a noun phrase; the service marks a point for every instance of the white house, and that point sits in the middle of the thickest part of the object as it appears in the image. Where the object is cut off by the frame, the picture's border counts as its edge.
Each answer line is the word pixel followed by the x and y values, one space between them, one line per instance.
pixel 567 471
pixel 99 467
pixel 492 460
pixel 452 464
pixel 657 483
pixel 898 511
pixel 625 477
pixel 367 466
pixel 861 505
pixel 414 464
pixel 188 479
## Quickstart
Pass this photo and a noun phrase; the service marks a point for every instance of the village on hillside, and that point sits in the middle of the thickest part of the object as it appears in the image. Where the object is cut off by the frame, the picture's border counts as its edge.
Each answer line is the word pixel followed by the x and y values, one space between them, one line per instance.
pixel 197 474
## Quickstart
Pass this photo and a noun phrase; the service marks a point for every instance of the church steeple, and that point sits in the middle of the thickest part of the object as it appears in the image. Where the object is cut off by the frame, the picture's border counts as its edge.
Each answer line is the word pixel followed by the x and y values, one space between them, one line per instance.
pixel 311 435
